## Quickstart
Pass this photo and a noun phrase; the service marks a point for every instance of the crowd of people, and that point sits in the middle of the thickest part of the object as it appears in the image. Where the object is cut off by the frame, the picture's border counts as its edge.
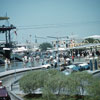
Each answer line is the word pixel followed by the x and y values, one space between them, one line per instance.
pixel 54 58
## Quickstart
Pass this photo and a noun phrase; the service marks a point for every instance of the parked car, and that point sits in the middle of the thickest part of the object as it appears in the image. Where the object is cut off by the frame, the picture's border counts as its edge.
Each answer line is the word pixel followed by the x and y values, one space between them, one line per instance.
pixel 4 94
pixel 84 66
pixel 46 66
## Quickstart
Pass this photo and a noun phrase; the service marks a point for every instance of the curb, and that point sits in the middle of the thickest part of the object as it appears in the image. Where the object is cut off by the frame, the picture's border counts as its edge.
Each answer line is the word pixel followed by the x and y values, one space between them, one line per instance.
pixel 96 72
pixel 19 98
pixel 10 72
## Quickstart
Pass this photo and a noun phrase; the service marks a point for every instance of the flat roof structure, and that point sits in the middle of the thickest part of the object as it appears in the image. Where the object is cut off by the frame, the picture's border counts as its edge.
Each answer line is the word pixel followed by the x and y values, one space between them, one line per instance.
pixel 87 46
pixel 4 18
pixel 6 28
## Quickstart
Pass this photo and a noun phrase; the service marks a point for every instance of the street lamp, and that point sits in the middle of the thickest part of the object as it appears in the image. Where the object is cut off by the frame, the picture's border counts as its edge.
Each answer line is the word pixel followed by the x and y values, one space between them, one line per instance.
pixel 14 66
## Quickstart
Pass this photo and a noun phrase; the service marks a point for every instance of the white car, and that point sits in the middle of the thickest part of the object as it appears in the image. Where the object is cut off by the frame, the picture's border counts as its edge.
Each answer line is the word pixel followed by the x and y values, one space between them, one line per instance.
pixel 46 66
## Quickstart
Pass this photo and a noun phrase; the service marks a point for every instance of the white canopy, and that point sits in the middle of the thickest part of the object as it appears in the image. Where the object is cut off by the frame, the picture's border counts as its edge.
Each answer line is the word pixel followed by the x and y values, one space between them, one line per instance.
pixel 60 49
pixel 94 36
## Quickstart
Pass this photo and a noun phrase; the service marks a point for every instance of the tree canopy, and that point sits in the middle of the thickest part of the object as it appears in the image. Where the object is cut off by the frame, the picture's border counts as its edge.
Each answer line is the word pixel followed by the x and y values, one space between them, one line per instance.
pixel 58 86
pixel 44 46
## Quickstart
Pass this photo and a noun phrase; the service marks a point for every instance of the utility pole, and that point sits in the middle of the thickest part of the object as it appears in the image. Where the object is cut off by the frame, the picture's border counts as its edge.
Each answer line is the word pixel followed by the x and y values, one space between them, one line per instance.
pixel 35 39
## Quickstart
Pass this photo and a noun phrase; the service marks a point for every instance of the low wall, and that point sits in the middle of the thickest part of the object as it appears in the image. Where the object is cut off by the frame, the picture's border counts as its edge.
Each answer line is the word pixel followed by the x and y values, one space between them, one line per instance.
pixel 10 72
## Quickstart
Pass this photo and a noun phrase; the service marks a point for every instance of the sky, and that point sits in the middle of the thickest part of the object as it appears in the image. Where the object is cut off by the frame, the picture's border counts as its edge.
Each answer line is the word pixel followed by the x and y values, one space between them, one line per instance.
pixel 56 18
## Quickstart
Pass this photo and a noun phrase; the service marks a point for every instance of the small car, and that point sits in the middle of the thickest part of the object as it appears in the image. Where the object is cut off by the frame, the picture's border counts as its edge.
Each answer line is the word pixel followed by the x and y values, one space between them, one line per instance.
pixel 4 94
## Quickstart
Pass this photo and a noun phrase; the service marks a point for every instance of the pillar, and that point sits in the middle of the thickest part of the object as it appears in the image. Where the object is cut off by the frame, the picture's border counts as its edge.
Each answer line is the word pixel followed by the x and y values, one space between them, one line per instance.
pixel 96 63
pixel 91 64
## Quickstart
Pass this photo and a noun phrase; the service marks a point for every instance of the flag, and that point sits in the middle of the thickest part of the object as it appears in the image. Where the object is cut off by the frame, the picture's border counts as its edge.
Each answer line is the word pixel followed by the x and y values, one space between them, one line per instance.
pixel 15 33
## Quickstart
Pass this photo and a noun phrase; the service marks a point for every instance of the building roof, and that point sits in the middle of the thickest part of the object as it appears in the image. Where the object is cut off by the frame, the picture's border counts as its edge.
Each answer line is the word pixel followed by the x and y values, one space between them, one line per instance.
pixel 86 46
pixel 94 36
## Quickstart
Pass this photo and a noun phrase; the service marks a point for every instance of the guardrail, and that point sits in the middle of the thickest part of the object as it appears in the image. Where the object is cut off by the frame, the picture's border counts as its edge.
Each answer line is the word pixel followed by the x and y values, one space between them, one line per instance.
pixel 14 95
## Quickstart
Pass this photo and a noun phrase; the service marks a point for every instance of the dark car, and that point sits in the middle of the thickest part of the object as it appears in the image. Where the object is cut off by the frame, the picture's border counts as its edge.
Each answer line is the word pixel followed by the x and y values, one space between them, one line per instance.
pixel 4 94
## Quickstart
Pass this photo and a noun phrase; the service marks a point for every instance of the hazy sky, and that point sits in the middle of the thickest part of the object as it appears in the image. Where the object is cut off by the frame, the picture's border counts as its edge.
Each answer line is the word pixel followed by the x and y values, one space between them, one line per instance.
pixel 52 18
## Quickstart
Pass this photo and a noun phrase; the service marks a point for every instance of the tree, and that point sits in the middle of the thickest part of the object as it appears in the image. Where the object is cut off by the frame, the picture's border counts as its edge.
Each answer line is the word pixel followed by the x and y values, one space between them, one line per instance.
pixel 44 46
pixel 32 81
pixel 78 83
pixel 57 86
pixel 54 85
pixel 94 89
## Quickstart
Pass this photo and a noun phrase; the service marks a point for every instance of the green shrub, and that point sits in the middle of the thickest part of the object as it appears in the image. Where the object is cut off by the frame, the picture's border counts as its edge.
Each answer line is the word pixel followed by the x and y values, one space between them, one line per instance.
pixel 54 83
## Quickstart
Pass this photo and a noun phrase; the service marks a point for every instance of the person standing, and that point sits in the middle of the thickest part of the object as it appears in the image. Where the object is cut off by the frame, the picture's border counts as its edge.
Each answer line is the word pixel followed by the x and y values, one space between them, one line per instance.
pixel 78 56
pixel 30 61
pixel 1 86
pixel 6 64
pixel 72 58
pixel 9 64
pixel 25 61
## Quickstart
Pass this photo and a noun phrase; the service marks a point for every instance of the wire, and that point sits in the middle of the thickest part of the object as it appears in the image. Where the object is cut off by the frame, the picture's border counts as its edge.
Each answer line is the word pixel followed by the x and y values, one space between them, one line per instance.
pixel 44 26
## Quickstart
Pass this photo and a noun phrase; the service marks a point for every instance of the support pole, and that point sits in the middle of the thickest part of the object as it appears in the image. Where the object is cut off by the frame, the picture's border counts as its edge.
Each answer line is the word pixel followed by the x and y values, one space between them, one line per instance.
pixel 6 37
pixel 91 64
pixel 9 36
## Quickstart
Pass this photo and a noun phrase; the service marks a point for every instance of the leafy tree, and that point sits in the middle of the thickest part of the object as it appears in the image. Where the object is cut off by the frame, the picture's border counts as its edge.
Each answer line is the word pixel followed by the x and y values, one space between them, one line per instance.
pixel 32 81
pixel 47 94
pixel 94 89
pixel 73 84
pixel 44 46
pixel 54 83
pixel 79 81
